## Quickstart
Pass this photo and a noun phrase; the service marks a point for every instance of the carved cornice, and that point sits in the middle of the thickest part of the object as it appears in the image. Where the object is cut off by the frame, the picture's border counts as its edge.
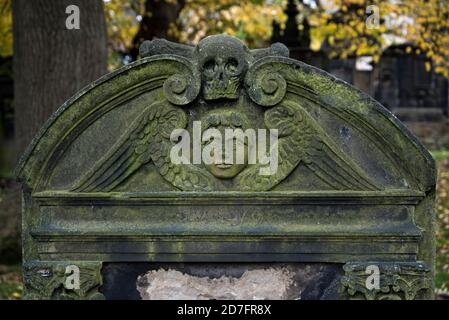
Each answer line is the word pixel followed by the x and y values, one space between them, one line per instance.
pixel 390 197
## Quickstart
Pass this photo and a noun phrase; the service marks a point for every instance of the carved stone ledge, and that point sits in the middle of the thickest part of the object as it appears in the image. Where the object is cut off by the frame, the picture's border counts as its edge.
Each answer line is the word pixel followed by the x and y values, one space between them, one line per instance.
pixel 397 280
pixel 49 280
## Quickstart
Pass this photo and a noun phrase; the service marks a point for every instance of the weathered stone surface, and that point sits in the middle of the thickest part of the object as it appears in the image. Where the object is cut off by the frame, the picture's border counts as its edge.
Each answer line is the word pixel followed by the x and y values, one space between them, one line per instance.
pixel 397 281
pixel 49 280
pixel 351 183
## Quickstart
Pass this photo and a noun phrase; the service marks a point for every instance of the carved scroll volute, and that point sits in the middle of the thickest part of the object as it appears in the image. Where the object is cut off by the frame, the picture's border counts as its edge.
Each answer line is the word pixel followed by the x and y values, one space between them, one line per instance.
pixel 182 88
pixel 264 85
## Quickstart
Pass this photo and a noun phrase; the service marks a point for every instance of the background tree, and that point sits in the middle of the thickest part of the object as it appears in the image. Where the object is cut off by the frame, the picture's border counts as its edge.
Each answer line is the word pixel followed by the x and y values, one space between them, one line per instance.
pixel 6 85
pixel 251 21
pixel 51 63
pixel 342 26
pixel 338 25
pixel 132 22
pixel 5 28
pixel 187 21
pixel 159 18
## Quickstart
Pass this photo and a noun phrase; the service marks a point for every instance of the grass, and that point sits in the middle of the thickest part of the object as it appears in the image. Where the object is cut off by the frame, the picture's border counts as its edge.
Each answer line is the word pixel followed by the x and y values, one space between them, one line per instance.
pixel 10 282
pixel 440 155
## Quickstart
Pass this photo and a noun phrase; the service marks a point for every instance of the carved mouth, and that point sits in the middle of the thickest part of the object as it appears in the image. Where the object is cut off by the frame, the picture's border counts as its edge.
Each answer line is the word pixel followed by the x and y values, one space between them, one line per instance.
pixel 224 166
pixel 214 90
pixel 215 95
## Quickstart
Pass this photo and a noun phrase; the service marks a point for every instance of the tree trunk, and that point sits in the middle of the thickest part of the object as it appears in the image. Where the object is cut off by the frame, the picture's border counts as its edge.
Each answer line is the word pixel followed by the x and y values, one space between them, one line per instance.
pixel 159 15
pixel 51 62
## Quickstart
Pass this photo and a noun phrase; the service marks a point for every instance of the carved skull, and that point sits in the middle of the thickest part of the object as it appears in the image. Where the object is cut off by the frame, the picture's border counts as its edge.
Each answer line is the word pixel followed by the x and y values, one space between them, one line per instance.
pixel 223 61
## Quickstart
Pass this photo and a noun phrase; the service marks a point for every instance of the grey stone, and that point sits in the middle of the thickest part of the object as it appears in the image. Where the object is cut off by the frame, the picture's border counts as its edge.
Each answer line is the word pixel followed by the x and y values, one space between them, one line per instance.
pixel 353 187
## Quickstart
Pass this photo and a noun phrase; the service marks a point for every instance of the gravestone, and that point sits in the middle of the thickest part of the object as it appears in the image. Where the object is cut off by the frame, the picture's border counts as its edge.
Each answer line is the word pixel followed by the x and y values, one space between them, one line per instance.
pixel 117 195
pixel 406 88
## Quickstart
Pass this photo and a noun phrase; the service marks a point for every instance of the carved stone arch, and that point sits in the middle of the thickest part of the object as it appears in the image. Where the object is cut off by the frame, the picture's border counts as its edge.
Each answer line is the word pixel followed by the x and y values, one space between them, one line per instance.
pixel 272 80
pixel 172 78
pixel 351 119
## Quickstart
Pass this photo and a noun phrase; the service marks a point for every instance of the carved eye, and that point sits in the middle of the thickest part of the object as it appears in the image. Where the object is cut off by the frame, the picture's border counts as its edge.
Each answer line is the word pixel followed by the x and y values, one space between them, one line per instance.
pixel 210 67
pixel 232 66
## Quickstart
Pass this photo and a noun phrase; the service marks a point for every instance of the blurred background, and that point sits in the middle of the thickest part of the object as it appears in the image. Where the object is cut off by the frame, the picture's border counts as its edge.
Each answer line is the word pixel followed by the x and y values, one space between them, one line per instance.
pixel 396 51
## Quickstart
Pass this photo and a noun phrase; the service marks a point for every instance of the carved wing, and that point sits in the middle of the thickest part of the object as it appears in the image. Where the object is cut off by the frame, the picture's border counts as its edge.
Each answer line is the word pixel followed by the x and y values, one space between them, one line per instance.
pixel 147 139
pixel 302 139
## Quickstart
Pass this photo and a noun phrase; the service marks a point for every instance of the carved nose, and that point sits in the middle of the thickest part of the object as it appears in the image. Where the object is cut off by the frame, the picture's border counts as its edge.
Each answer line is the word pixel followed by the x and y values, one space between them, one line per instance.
pixel 221 79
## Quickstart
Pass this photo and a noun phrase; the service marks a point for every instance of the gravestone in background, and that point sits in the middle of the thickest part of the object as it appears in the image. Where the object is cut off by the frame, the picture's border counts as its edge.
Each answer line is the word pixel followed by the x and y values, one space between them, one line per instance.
pixel 353 190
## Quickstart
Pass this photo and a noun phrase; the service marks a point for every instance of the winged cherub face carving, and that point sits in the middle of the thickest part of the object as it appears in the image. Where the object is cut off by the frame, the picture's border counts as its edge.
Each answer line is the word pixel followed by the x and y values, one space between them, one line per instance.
pixel 221 121
pixel 223 62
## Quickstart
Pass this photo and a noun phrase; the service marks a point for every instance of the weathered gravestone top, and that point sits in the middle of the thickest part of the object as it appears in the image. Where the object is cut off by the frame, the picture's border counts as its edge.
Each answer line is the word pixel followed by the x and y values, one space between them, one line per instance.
pixel 118 174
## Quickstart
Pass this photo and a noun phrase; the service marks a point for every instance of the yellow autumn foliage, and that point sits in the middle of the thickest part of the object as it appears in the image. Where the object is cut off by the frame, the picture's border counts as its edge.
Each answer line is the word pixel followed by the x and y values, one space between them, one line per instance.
pixel 250 21
pixel 5 28
pixel 422 24
pixel 340 24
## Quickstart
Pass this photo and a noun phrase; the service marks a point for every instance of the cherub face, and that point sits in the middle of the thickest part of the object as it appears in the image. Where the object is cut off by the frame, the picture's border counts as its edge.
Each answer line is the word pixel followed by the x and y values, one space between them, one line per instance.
pixel 224 145
pixel 220 168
